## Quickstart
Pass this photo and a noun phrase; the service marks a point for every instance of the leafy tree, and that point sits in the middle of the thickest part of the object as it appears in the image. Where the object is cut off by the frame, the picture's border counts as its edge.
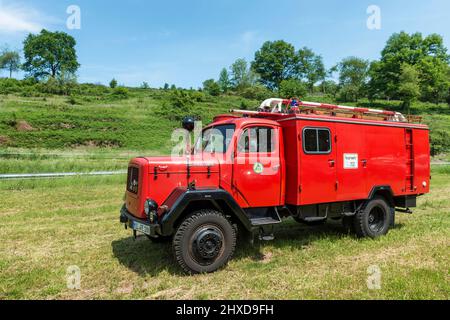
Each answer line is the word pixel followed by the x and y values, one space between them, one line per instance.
pixel 292 88
pixel 212 87
pixel 275 62
pixel 224 80
pixel 145 85
pixel 49 53
pixel 113 83
pixel 10 60
pixel 408 89
pixel 166 86
pixel 353 74
pixel 416 51
pixel 434 82
pixel 329 87
pixel 242 75
pixel 310 67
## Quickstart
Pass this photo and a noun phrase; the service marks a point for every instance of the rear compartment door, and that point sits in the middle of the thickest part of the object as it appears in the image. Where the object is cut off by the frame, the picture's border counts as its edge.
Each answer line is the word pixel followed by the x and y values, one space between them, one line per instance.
pixel 317 162
pixel 351 162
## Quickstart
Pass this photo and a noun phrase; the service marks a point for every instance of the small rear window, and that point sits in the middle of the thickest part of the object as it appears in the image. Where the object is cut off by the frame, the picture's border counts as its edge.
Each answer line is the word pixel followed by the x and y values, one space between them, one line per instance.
pixel 316 140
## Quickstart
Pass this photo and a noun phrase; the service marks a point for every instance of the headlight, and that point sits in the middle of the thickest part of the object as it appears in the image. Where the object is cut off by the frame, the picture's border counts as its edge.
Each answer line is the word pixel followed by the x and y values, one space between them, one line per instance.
pixel 150 206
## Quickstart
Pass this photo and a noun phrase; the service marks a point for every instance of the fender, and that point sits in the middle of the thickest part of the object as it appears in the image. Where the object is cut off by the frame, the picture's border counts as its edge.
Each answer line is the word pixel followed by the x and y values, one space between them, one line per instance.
pixel 385 191
pixel 182 198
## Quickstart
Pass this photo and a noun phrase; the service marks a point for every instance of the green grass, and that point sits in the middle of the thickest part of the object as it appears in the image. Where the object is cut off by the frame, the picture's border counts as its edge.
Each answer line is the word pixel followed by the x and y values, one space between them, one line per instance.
pixel 48 225
pixel 141 121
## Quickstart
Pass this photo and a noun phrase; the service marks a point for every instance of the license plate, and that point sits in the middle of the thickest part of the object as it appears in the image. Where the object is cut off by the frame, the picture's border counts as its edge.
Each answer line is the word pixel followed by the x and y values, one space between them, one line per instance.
pixel 140 227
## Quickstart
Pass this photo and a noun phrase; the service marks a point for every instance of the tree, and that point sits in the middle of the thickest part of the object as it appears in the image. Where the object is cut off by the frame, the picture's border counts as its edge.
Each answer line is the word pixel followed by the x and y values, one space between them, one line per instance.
pixel 242 75
pixel 310 67
pixel 329 87
pixel 416 51
pixel 353 74
pixel 434 82
pixel 113 83
pixel 50 53
pixel 145 85
pixel 166 86
pixel 408 89
pixel 212 87
pixel 275 62
pixel 10 60
pixel 224 80
pixel 292 88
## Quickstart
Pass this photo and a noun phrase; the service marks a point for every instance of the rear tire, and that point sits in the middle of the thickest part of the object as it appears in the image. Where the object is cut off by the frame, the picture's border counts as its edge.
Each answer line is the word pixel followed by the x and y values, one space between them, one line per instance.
pixel 374 220
pixel 204 242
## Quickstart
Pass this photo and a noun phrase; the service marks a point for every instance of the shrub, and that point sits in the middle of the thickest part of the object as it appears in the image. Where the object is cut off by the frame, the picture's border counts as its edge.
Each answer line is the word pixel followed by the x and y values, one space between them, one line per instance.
pixel 292 88
pixel 439 142
pixel 212 87
pixel 9 86
pixel 121 92
pixel 257 92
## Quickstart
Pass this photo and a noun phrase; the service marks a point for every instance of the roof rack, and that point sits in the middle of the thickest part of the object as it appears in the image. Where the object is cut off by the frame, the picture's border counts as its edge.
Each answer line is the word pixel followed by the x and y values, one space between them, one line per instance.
pixel 277 106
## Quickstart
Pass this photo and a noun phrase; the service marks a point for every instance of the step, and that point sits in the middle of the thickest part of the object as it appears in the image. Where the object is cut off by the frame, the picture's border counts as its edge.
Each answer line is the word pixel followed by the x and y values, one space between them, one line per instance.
pixel 264 221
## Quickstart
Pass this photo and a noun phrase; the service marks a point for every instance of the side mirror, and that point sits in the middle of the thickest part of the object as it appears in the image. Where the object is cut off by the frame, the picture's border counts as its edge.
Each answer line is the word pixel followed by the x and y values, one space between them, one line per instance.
pixel 188 123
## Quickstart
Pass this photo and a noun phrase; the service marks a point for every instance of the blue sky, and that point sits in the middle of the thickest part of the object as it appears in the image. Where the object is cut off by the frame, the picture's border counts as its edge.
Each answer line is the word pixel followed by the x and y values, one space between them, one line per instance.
pixel 186 42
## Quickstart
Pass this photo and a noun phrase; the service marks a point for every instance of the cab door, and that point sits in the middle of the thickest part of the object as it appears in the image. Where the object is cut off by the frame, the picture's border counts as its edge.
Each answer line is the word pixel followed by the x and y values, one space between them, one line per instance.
pixel 257 166
pixel 318 183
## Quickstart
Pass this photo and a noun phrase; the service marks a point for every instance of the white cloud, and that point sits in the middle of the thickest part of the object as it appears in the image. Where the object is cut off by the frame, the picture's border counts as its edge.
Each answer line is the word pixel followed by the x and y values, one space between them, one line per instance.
pixel 16 17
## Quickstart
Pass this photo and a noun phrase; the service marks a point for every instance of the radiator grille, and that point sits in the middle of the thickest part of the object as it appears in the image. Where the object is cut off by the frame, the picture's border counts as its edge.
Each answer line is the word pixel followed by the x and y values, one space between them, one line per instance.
pixel 133 180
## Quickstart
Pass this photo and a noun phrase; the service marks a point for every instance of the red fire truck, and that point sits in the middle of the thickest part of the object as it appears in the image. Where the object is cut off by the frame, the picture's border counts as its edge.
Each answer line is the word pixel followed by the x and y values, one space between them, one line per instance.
pixel 250 169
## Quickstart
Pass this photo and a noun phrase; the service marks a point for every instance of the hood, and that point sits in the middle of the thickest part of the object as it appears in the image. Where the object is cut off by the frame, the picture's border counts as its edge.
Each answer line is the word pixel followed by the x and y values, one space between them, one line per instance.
pixel 179 165
pixel 160 176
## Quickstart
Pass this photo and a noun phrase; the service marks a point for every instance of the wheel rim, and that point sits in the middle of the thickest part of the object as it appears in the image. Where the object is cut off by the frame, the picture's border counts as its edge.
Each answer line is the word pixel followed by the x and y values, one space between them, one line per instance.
pixel 376 219
pixel 207 244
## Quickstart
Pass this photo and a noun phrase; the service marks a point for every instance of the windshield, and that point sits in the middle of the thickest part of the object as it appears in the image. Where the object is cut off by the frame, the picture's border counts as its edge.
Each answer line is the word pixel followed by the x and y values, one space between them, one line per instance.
pixel 215 139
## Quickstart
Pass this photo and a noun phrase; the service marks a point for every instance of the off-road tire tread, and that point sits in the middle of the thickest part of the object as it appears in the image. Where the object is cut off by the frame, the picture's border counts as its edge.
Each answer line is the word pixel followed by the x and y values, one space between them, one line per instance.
pixel 358 220
pixel 177 239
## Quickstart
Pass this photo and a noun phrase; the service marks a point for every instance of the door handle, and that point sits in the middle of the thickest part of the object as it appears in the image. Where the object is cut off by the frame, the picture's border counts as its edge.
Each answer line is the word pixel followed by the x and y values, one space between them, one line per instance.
pixel 364 163
pixel 331 163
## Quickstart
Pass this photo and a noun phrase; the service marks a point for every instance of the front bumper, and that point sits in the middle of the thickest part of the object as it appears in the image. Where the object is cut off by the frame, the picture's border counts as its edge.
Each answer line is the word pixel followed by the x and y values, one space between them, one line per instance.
pixel 139 225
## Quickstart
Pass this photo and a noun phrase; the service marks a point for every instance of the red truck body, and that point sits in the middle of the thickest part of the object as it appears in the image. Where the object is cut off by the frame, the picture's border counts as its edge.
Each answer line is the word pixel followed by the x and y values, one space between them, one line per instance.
pixel 318 165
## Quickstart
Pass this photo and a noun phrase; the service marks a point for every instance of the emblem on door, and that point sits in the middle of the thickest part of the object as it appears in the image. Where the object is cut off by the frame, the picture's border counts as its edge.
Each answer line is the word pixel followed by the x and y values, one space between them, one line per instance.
pixel 258 167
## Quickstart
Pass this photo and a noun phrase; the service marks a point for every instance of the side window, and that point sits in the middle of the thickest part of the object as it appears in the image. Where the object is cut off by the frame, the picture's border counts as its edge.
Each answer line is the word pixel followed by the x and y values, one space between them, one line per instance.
pixel 257 139
pixel 316 140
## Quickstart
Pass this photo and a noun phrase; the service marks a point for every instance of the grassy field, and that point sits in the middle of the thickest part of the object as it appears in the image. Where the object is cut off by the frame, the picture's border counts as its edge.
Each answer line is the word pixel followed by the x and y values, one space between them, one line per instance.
pixel 48 225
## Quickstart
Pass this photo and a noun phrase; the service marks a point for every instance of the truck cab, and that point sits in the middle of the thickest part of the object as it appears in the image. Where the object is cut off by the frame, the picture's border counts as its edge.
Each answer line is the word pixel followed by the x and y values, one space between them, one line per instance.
pixel 250 169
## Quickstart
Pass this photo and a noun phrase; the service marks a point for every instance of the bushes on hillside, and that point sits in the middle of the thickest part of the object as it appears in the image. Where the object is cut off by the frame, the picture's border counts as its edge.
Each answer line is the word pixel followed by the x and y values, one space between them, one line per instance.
pixel 256 92
pixel 292 88
pixel 439 142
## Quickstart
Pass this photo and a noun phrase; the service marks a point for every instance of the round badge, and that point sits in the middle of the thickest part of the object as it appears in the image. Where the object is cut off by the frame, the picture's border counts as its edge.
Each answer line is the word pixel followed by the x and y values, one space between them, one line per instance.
pixel 258 168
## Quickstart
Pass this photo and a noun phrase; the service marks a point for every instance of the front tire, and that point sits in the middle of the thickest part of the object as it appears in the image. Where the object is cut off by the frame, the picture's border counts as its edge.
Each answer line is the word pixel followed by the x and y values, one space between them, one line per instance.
pixel 374 220
pixel 204 242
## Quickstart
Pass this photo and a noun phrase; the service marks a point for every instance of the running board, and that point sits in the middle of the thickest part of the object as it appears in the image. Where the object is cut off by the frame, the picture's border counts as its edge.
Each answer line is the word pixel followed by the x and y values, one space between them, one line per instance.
pixel 256 222
pixel 263 216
